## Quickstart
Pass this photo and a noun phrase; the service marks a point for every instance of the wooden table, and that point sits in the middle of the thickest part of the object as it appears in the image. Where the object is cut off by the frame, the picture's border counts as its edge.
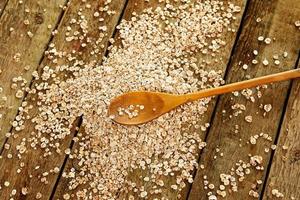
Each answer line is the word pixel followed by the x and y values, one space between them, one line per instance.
pixel 282 124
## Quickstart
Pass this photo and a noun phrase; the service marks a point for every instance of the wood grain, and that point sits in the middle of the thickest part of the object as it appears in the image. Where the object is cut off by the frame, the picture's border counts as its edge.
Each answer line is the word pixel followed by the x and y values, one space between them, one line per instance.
pixel 285 168
pixel 34 161
pixel 277 22
pixel 40 15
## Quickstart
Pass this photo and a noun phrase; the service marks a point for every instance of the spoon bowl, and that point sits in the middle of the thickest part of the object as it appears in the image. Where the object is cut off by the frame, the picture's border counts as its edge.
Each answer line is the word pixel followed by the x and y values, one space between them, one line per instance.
pixel 153 105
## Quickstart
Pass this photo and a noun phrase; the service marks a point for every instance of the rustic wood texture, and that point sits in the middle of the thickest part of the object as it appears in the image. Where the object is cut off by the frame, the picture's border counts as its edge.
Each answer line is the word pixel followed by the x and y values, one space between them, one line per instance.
pixel 277 22
pixel 278 19
pixel 40 15
pixel 285 168
pixel 138 7
pixel 29 177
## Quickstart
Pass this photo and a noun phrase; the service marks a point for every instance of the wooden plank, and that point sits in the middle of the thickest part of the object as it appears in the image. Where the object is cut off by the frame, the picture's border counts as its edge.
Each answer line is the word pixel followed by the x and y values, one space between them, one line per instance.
pixel 21 53
pixel 138 6
pixel 231 134
pixel 34 163
pixel 285 168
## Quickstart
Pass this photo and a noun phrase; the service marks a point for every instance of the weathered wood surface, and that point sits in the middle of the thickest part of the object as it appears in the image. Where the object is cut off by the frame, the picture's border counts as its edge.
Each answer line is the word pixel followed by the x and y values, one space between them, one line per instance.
pixel 29 177
pixel 285 168
pixel 277 22
pixel 21 54
pixel 278 19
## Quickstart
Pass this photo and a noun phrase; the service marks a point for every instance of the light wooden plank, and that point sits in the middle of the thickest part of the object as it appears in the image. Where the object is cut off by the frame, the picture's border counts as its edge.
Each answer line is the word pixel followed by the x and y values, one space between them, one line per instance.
pixel 285 168
pixel 138 6
pixel 277 22
pixel 34 161
pixel 18 50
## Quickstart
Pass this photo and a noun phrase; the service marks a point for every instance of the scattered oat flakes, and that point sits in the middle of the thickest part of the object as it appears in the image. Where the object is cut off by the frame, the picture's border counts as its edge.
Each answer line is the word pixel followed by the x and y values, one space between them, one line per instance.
pixel 268 40
pixel 258 20
pixel 245 66
pixel 30 34
pixel 38 195
pixel 276 193
pixel 248 118
pixel 268 107
pixel 66 196
pixel 19 94
pixel 260 38
pixel 6 183
pixel 254 61
pixel 285 147
pixel 24 191
pixel 273 147
pixel 265 62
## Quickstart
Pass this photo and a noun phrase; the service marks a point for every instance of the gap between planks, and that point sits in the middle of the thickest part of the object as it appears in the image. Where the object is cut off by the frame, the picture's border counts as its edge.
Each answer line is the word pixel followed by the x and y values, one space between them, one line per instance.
pixel 66 158
pixel 214 110
pixel 81 118
pixel 118 6
pixel 58 23
pixel 279 130
pixel 264 33
pixel 129 4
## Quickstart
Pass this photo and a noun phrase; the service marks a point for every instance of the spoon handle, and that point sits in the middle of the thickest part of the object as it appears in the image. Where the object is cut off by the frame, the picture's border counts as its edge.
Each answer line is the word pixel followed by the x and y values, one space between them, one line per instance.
pixel 282 76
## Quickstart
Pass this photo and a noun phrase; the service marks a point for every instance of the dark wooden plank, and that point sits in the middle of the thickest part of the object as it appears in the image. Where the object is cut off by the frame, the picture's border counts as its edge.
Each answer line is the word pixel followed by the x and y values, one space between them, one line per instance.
pixel 285 168
pixel 26 171
pixel 229 134
pixel 72 164
pixel 25 31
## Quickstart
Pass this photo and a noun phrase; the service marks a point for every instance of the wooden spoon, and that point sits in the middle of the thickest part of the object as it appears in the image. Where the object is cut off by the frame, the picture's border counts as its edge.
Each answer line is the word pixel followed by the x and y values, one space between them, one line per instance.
pixel 154 104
